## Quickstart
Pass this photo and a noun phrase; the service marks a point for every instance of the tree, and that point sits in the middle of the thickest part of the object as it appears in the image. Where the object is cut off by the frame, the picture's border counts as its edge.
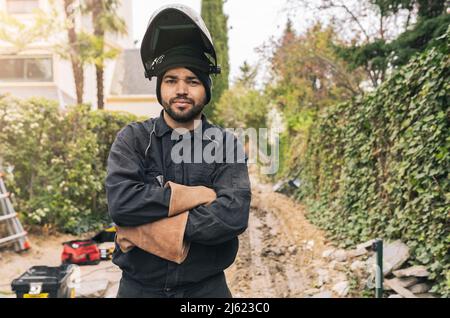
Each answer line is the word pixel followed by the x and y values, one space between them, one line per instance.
pixel 306 72
pixel 80 47
pixel 432 23
pixel 216 21
pixel 21 35
pixel 44 26
pixel 248 75
pixel 104 20
pixel 242 107
pixel 73 49
pixel 371 27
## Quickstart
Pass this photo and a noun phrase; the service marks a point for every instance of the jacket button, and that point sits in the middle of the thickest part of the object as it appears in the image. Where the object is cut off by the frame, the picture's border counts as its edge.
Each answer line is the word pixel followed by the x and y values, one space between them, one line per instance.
pixel 167 289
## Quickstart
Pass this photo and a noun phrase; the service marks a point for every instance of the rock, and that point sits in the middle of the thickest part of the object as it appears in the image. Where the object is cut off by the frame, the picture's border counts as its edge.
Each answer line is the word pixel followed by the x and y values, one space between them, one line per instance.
pixel 357 265
pixel 328 253
pixel 395 296
pixel 340 255
pixel 420 288
pixel 292 250
pixel 341 289
pixel 279 251
pixel 366 245
pixel 395 285
pixel 322 276
pixel 427 295
pixel 332 265
pixel 340 266
pixel 394 255
pixel 92 289
pixel 308 245
pixel 357 252
pixel 415 271
pixel 404 282
pixel 311 291
pixel 324 294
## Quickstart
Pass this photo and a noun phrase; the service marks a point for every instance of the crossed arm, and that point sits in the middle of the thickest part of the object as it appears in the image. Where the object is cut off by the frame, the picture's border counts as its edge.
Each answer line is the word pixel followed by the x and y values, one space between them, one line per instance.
pixel 164 221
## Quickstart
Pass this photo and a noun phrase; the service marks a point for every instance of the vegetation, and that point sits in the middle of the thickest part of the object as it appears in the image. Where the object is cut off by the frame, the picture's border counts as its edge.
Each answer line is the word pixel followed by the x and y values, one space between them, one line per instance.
pixel 216 21
pixel 59 161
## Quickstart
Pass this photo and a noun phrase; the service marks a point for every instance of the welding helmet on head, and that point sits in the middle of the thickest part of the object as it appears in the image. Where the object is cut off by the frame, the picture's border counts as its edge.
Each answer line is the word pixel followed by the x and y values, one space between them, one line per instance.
pixel 175 26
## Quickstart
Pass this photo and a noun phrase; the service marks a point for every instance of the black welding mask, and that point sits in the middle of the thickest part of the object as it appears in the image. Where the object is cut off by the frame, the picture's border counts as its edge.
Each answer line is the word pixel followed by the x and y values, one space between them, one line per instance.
pixel 176 26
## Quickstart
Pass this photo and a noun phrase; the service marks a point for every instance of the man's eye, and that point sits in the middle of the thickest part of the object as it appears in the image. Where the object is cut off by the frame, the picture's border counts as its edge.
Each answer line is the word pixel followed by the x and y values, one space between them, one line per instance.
pixel 194 83
pixel 170 81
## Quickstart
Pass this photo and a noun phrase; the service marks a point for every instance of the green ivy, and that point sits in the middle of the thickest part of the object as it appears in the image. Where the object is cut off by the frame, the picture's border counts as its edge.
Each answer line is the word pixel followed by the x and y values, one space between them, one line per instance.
pixel 379 166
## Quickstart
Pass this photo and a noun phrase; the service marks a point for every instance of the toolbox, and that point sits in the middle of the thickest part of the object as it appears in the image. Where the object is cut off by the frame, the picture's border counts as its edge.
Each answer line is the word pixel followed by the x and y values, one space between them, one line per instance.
pixel 46 282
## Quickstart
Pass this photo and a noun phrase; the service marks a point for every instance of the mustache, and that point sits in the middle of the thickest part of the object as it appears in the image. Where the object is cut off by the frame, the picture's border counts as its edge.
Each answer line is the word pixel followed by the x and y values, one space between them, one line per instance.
pixel 181 100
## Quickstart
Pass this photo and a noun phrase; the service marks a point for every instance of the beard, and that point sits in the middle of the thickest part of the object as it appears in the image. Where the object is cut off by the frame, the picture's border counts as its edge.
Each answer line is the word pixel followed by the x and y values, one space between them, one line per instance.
pixel 185 116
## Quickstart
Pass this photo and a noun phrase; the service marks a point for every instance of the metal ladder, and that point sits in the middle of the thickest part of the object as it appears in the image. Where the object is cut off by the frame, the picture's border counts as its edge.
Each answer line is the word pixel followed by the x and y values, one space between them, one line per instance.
pixel 16 233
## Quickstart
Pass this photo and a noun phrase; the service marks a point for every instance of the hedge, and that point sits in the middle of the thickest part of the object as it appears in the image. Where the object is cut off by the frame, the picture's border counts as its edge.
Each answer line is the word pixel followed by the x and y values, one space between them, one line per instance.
pixel 58 160
pixel 379 166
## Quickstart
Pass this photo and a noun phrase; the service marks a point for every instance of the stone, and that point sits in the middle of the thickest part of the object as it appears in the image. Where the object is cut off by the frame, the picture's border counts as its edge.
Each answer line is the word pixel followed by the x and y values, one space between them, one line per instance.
pixel 332 265
pixel 395 254
pixel 366 245
pixel 292 250
pixel 404 282
pixel 395 285
pixel 427 295
pixel 92 289
pixel 340 255
pixel 341 288
pixel 415 271
pixel 322 276
pixel 396 296
pixel 340 266
pixel 357 252
pixel 323 294
pixel 357 266
pixel 328 253
pixel 308 245
pixel 312 291
pixel 420 288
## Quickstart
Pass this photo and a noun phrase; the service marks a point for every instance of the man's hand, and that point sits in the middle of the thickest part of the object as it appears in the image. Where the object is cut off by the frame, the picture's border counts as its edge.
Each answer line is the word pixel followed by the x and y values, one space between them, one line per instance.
pixel 184 198
pixel 164 238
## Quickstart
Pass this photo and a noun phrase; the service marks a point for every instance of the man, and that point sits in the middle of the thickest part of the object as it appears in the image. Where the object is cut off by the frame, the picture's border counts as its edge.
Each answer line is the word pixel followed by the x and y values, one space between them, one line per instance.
pixel 177 222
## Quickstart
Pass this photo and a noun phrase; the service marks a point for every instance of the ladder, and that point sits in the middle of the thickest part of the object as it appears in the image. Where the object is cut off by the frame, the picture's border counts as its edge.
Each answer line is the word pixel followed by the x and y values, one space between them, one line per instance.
pixel 16 233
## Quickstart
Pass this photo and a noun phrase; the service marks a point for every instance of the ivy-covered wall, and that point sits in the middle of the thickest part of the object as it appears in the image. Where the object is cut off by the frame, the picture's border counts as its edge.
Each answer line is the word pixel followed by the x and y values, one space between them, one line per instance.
pixel 379 166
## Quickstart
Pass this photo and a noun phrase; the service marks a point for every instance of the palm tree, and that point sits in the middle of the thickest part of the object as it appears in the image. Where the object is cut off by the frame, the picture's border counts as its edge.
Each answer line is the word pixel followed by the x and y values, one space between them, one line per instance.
pixel 74 49
pixel 104 20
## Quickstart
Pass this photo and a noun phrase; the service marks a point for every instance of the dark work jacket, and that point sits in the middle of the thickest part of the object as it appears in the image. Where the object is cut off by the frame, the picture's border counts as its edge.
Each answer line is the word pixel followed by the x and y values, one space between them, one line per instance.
pixel 139 156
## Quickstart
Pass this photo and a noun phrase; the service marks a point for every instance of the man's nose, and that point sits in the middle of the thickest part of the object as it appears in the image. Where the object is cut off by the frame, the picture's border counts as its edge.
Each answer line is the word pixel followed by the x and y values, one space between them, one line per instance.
pixel 182 88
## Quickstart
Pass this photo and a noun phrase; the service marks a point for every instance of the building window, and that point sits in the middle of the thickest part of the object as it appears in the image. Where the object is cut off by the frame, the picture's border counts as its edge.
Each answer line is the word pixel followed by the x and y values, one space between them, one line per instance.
pixel 26 70
pixel 21 6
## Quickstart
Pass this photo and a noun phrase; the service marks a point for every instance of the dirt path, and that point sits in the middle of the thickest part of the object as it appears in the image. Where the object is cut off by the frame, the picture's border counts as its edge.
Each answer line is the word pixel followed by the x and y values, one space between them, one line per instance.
pixel 280 255
pixel 281 252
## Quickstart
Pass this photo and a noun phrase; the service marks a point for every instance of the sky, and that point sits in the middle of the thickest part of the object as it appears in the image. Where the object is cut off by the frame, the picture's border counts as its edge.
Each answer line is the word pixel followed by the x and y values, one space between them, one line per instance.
pixel 250 23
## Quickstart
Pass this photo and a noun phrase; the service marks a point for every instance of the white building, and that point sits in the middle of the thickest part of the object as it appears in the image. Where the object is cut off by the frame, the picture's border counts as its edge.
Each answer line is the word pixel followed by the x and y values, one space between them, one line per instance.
pixel 37 70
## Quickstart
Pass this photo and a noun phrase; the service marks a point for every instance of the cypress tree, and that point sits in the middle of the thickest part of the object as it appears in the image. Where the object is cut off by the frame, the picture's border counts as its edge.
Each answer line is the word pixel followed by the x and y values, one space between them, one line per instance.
pixel 216 21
